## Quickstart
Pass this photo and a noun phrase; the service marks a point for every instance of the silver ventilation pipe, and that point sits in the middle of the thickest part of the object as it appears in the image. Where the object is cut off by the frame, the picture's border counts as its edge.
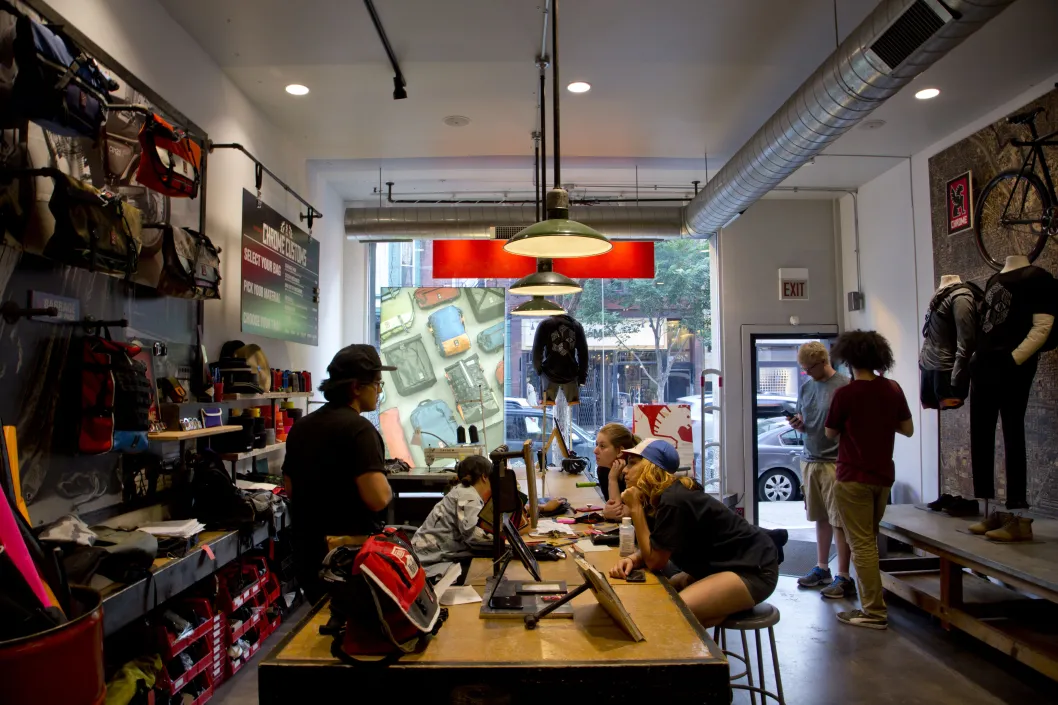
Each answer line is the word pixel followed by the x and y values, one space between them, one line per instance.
pixel 898 41
pixel 502 222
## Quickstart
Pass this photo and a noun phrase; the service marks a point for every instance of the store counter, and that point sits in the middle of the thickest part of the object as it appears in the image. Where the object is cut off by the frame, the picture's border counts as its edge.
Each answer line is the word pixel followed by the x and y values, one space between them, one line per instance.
pixel 677 660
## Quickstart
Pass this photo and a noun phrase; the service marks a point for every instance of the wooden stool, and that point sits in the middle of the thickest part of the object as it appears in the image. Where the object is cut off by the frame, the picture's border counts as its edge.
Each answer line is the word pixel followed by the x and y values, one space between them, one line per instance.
pixel 763 616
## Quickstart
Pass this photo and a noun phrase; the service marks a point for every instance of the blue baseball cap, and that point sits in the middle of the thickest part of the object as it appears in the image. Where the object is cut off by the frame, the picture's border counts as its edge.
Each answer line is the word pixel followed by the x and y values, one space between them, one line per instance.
pixel 658 451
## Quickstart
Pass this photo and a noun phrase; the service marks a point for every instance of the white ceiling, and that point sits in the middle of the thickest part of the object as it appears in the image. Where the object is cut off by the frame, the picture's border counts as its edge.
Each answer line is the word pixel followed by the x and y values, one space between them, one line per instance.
pixel 671 80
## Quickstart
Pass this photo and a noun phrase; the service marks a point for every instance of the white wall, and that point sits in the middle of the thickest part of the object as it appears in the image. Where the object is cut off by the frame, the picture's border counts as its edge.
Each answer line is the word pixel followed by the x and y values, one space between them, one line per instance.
pixel 896 256
pixel 149 43
pixel 770 235
pixel 888 279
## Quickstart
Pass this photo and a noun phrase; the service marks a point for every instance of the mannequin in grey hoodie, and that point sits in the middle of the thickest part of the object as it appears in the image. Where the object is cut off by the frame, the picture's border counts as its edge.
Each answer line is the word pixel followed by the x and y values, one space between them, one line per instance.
pixel 560 357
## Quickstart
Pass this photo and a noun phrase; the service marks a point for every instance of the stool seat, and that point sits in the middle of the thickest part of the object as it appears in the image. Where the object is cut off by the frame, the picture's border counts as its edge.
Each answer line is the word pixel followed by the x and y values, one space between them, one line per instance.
pixel 760 617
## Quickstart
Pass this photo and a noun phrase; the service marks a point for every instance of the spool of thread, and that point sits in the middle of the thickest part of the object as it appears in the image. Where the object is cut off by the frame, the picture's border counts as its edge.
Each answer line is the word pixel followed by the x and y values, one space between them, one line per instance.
pixel 255 412
pixel 233 413
pixel 280 418
pixel 287 405
pixel 294 414
pixel 270 437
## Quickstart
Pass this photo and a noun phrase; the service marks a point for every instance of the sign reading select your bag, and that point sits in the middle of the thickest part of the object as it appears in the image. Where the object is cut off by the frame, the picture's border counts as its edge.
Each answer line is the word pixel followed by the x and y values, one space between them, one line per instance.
pixel 280 276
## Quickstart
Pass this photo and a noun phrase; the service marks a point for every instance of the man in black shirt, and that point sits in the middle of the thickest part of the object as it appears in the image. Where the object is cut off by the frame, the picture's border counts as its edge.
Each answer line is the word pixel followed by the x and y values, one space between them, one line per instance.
pixel 334 467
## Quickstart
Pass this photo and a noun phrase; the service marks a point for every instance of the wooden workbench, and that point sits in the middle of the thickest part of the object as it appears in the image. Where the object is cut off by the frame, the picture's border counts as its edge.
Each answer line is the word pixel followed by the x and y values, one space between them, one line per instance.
pixel 1017 618
pixel 678 660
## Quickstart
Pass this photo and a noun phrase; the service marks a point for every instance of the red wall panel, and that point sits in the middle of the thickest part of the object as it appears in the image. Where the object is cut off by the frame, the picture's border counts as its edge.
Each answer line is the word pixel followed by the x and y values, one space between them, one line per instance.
pixel 485 259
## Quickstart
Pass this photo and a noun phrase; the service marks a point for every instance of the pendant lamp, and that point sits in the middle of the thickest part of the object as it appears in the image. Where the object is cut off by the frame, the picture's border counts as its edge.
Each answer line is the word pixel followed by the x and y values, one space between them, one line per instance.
pixel 545 281
pixel 558 236
pixel 538 306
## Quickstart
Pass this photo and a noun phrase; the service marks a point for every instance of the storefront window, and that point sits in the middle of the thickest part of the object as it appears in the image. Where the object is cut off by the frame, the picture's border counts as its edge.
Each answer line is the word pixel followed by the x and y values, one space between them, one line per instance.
pixel 648 339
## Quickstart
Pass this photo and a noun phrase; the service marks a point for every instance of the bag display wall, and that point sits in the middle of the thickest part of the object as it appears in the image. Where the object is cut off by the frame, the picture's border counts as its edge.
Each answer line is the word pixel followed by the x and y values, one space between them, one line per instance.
pixel 957 255
pixel 446 343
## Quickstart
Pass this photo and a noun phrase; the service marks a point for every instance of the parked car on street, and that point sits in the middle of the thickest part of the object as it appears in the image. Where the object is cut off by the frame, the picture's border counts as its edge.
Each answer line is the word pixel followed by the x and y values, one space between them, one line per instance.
pixel 522 422
pixel 778 461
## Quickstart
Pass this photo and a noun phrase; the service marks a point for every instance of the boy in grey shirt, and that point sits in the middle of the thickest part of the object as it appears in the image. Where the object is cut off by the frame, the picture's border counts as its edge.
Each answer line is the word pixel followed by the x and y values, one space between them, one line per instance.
pixel 819 470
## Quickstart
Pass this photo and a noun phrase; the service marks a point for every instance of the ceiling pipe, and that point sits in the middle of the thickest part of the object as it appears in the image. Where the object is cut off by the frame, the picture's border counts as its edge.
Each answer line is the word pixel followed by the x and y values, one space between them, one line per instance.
pixel 899 40
pixel 487 222
pixel 399 84
pixel 470 201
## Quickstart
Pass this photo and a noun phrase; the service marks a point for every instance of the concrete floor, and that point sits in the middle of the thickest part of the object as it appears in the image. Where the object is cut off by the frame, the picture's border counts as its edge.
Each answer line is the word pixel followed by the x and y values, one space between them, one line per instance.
pixel 825 662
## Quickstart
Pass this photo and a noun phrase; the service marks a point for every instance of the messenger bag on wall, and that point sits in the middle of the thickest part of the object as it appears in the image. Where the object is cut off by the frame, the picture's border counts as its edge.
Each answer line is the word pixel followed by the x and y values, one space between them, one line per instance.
pixel 190 265
pixel 170 162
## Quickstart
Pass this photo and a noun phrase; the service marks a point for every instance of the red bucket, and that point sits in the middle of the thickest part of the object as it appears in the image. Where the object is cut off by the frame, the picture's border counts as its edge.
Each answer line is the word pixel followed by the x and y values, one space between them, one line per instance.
pixel 60 665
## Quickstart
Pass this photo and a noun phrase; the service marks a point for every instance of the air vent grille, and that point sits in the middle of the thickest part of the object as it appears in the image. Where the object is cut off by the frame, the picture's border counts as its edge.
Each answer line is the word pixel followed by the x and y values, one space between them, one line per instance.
pixel 506 232
pixel 907 34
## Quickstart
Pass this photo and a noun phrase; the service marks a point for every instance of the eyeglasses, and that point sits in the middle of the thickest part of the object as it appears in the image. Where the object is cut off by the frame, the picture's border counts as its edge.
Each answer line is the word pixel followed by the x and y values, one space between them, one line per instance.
pixel 379 384
pixel 808 370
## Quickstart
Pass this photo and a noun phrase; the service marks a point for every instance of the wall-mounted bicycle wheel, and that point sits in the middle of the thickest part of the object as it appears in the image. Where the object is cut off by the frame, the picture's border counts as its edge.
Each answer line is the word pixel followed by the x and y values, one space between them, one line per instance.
pixel 1011 218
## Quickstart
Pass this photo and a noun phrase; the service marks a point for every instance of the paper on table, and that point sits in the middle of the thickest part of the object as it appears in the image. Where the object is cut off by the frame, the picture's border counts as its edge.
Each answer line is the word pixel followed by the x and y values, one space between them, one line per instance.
pixel 447 579
pixel 248 485
pixel 586 546
pixel 460 595
pixel 544 526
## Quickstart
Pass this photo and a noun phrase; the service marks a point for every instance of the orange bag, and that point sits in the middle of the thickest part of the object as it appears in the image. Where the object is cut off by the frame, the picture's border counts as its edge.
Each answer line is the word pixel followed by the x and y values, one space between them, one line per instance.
pixel 170 162
pixel 393 435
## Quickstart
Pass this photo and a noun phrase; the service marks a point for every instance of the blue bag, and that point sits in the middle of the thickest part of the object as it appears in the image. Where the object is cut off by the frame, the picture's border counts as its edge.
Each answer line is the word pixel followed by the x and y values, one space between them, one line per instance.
pixel 435 417
pixel 491 339
pixel 58 86
pixel 449 331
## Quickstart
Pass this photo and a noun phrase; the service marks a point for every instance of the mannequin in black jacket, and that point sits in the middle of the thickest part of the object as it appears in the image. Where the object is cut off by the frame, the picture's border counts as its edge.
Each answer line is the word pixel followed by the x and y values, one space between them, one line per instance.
pixel 560 357
pixel 948 343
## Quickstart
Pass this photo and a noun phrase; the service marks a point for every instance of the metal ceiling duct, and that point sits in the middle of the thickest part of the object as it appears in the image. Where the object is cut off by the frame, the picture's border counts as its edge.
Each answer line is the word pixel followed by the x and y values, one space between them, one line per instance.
pixel 502 222
pixel 899 40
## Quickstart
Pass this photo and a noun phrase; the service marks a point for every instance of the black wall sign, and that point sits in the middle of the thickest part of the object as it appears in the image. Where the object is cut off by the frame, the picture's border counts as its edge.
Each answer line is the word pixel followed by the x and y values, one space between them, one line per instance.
pixel 280 276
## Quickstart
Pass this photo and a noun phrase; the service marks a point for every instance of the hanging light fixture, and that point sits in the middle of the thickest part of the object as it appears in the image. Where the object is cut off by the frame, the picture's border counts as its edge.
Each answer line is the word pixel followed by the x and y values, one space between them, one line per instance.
pixel 545 281
pixel 538 306
pixel 558 236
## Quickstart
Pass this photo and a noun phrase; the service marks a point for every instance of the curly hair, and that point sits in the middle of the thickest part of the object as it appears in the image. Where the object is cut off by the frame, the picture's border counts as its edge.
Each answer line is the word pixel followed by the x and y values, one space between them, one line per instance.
pixel 654 480
pixel 864 350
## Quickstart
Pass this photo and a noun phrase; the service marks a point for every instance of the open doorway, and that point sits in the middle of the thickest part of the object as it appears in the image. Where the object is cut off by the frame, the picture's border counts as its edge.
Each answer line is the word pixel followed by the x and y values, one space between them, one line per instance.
pixel 777 450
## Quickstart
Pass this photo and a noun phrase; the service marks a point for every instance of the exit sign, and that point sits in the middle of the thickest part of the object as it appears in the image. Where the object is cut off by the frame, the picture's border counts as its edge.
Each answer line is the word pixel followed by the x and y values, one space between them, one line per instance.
pixel 793 285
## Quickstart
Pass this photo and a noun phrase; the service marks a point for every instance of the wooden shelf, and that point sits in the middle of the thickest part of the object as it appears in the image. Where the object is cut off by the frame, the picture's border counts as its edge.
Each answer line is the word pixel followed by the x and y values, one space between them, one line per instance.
pixel 189 435
pixel 253 453
pixel 267 396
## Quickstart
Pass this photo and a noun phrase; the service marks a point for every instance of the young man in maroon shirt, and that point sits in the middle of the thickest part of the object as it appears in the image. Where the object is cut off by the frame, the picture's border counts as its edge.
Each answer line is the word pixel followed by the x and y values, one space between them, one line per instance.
pixel 866 415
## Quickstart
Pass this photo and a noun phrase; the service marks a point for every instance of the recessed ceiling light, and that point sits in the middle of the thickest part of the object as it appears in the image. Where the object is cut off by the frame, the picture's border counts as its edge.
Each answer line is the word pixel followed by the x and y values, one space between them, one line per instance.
pixel 927 93
pixel 579 87
pixel 873 124
pixel 456 121
pixel 297 89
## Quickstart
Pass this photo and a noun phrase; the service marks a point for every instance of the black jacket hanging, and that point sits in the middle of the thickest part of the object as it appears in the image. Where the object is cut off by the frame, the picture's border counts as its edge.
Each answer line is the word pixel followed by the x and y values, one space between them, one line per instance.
pixel 560 350
pixel 949 335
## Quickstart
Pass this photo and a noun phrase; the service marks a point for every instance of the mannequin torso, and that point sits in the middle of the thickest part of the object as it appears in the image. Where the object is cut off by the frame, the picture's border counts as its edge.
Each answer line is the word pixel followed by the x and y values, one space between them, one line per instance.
pixel 1014 262
pixel 947 280
pixel 1041 322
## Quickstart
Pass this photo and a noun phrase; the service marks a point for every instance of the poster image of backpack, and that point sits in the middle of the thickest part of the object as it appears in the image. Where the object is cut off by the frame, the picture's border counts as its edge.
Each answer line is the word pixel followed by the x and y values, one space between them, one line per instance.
pixel 469 385
pixel 414 372
pixel 486 303
pixel 491 339
pixel 449 331
pixel 434 418
pixel 431 297
pixel 397 314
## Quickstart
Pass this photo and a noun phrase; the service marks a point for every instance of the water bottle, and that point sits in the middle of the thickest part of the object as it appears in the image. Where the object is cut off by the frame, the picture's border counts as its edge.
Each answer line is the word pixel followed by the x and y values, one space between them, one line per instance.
pixel 627 532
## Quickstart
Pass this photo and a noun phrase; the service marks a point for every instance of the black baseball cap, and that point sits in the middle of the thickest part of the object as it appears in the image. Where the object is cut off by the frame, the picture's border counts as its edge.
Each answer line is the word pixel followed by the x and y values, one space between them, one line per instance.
pixel 354 362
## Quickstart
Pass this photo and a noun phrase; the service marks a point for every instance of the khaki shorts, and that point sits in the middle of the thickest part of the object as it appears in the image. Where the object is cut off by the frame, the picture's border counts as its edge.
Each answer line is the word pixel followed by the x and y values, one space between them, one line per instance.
pixel 818 480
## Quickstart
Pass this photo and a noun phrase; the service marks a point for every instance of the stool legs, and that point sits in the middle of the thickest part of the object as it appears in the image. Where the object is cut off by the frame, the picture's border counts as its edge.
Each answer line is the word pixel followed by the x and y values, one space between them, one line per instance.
pixel 775 665
pixel 749 670
pixel 720 637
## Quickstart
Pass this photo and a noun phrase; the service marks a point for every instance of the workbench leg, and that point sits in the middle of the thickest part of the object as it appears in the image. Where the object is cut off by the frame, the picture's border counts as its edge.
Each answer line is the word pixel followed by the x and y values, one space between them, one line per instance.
pixel 951 595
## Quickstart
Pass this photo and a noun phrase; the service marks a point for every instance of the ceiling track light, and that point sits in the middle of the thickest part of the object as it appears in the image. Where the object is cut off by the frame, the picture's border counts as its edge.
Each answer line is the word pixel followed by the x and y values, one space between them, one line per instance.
pixel 558 236
pixel 545 282
pixel 538 306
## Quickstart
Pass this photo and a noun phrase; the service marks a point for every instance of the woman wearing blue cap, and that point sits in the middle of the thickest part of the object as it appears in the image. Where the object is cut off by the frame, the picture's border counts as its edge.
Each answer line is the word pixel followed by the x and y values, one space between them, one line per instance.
pixel 729 564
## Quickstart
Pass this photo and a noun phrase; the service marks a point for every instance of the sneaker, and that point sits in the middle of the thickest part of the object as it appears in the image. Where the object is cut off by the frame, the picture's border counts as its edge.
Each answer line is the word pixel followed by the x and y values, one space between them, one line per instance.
pixel 840 589
pixel 994 521
pixel 859 618
pixel 1016 528
pixel 962 507
pixel 815 577
pixel 941 503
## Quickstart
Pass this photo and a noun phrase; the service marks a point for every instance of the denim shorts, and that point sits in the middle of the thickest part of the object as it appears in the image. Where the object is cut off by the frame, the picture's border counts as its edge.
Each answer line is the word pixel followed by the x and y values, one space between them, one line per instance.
pixel 761 582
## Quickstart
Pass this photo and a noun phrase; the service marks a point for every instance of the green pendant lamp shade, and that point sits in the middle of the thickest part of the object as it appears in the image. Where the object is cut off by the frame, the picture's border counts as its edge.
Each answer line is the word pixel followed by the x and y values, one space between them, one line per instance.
pixel 558 236
pixel 538 306
pixel 545 282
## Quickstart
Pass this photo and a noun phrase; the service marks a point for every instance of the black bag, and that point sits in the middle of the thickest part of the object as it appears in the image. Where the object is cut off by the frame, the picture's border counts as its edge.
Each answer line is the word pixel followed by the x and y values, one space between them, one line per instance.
pixel 58 86
pixel 93 230
pixel 414 370
pixel 215 500
pixel 190 265
pixel 486 303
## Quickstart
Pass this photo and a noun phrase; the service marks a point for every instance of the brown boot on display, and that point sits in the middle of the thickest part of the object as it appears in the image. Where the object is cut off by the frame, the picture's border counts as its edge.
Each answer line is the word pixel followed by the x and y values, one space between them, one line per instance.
pixel 994 521
pixel 1016 528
